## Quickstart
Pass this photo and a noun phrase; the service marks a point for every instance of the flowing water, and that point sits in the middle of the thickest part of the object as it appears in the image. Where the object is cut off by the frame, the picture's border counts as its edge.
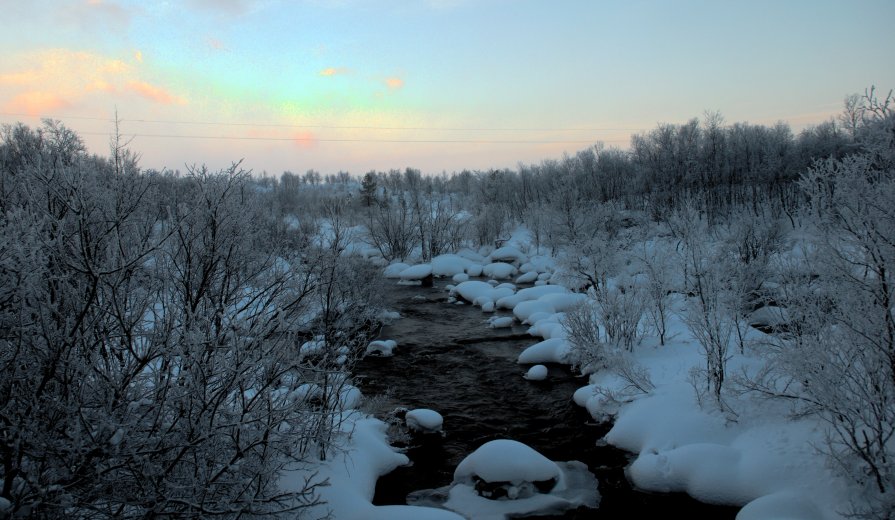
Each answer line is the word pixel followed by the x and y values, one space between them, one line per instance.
pixel 449 361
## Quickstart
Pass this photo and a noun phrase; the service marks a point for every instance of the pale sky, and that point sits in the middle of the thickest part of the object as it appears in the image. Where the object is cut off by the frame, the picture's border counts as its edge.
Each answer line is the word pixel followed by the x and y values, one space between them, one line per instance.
pixel 439 85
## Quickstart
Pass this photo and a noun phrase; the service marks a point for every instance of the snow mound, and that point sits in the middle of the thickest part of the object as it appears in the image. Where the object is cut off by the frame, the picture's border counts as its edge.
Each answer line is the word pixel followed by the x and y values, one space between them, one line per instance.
pixel 554 350
pixel 394 270
pixel 473 290
pixel 499 270
pixel 474 269
pixel 460 278
pixel 529 277
pixel 505 460
pixel 508 254
pixel 500 322
pixel 536 373
pixel 525 309
pixel 382 348
pixel 449 265
pixel 505 478
pixel 424 420
pixel 416 272
pixel 530 293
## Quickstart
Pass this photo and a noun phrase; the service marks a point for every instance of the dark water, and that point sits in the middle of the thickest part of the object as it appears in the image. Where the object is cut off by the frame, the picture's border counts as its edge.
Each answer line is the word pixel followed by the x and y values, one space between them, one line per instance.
pixel 449 361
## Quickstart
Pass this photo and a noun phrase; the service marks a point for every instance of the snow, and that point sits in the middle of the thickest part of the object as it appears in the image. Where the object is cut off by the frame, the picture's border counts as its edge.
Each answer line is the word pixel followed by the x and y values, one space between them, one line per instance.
pixel 536 373
pixel 500 322
pixel 507 254
pixel 529 293
pixel 416 272
pixel 460 278
pixel 529 277
pixel 449 265
pixel 394 270
pixel 382 348
pixel 513 468
pixel 352 474
pixel 473 289
pixel 499 270
pixel 554 350
pixel 474 269
pixel 424 420
pixel 525 309
pixel 505 460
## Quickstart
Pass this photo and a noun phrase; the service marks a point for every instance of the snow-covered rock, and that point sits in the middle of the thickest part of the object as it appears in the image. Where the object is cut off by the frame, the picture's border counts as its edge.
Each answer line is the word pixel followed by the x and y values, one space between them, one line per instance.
pixel 416 272
pixel 536 373
pixel 460 278
pixel 500 322
pixel 499 270
pixel 449 265
pixel 382 348
pixel 505 460
pixel 529 277
pixel 554 350
pixel 394 270
pixel 507 254
pixel 424 420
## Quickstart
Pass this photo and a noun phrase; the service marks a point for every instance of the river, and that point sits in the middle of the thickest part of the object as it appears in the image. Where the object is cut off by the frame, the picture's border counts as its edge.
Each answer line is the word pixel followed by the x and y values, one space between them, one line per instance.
pixel 449 361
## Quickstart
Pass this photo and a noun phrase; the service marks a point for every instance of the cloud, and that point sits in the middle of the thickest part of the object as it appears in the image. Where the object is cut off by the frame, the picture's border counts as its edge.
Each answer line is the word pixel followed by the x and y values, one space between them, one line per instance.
pixel 304 139
pixel 35 103
pixel 334 71
pixel 394 83
pixel 90 14
pixel 138 55
pixel 58 78
pixel 154 93
pixel 229 7
pixel 216 44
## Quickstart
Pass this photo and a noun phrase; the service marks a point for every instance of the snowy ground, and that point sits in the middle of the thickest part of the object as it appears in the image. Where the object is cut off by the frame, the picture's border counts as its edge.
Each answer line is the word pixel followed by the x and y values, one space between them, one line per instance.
pixel 754 454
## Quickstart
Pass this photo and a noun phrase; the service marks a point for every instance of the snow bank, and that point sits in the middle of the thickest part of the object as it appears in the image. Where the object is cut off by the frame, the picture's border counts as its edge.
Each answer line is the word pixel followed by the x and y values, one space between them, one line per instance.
pixel 529 277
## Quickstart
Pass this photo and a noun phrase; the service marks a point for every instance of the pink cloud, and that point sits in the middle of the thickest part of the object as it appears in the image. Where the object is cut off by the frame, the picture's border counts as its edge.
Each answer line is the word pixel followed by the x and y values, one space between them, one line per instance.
pixel 304 139
pixel 35 103
pixel 154 93
pixel 394 83
pixel 334 71
pixel 216 44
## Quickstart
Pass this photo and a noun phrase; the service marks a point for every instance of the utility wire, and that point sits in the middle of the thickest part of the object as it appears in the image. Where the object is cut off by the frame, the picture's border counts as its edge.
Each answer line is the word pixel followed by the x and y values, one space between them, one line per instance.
pixel 349 140
pixel 334 127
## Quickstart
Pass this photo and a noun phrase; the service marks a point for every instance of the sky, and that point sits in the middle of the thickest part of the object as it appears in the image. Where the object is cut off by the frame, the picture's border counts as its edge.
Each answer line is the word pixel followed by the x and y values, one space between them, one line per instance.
pixel 439 85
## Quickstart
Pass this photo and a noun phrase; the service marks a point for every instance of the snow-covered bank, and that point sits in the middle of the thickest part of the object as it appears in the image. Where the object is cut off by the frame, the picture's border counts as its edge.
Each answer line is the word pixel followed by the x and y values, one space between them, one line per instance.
pixel 362 456
pixel 753 454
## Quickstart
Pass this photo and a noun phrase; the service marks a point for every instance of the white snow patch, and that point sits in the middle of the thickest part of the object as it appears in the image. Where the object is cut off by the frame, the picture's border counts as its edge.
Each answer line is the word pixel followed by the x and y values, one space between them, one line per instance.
pixel 555 350
pixel 394 270
pixel 382 348
pixel 536 373
pixel 499 270
pixel 424 420
pixel 416 272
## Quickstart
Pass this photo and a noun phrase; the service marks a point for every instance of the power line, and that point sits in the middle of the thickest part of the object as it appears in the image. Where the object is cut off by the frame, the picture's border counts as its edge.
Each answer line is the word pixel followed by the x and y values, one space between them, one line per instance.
pixel 337 127
pixel 349 140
